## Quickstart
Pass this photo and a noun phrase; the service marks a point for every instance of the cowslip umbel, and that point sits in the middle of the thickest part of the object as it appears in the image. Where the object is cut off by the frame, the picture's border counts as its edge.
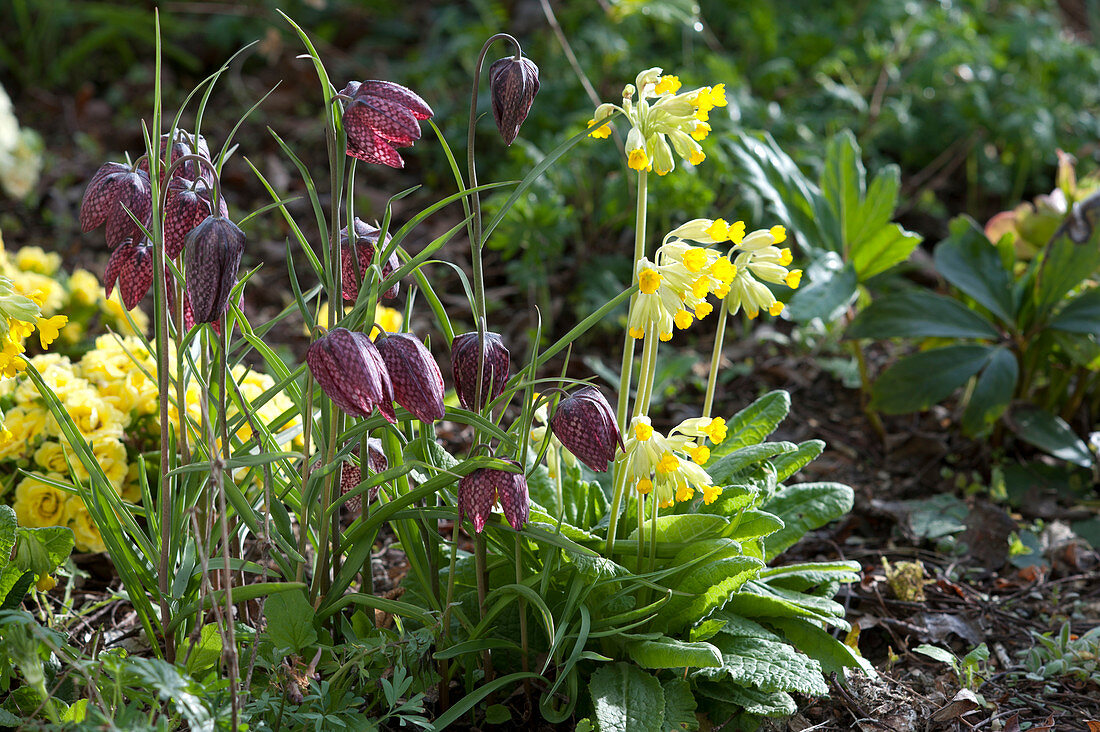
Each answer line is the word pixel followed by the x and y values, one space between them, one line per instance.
pixel 379 117
pixel 351 372
pixel 585 425
pixel 366 242
pixel 513 84
pixel 467 351
pixel 417 381
pixel 113 189
pixel 131 266
pixel 479 491
pixel 214 250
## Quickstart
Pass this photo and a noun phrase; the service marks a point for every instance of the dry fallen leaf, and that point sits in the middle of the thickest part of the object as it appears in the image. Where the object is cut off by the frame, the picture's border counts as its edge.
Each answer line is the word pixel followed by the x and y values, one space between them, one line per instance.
pixel 1094 725
pixel 961 704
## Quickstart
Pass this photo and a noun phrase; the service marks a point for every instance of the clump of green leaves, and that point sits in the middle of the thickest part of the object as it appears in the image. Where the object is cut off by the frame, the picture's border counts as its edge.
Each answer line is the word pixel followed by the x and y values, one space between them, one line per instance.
pixel 1064 654
pixel 970 670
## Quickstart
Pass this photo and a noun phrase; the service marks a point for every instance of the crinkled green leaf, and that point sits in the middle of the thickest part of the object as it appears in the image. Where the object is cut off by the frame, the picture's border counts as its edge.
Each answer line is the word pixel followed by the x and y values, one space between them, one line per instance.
pixel 707 587
pixel 735 625
pixel 685 527
pixel 754 524
pixel 789 463
pixel 627 699
pixel 729 467
pixel 665 652
pixel 765 665
pixel 679 707
pixel 754 423
pixel 801 577
pixel 8 523
pixel 804 507
pixel 833 655
pixel 753 701
pixel 753 605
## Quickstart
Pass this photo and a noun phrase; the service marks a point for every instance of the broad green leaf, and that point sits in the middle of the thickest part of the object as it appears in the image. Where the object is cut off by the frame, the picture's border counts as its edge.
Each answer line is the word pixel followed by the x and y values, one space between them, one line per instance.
pixel 968 261
pixel 754 524
pixel 290 622
pixel 939 654
pixel 173 686
pixel 1081 315
pixel 679 707
pixel 713 549
pixel 877 210
pixel 734 499
pixel 843 183
pixel 804 507
pixel 819 645
pixel 889 245
pixel 825 297
pixel 754 423
pixel 43 550
pixel 595 566
pixel 1049 433
pixel 752 605
pixel 1063 267
pixel 685 528
pixel 627 699
pixel 735 625
pixel 727 468
pixel 917 382
pixel 801 577
pixel 8 523
pixel 824 607
pixel 14 586
pixel 665 652
pixel 706 588
pixel 207 652
pixel 992 393
pixel 765 665
pixel 753 701
pixel 789 463
pixel 920 314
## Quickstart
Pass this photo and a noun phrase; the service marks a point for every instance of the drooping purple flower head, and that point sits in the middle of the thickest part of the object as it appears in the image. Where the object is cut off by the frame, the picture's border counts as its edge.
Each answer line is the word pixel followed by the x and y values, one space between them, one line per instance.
pixel 131 266
pixel 352 474
pixel 189 203
pixel 466 350
pixel 184 143
pixel 380 116
pixel 349 369
pixel 214 250
pixel 585 424
pixel 479 491
pixel 417 381
pixel 515 502
pixel 113 189
pixel 513 84
pixel 366 241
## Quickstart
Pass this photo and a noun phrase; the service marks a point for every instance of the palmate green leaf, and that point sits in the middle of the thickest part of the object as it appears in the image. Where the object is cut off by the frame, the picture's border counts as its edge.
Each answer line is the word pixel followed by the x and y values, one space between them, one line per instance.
pixel 971 263
pixel 920 314
pixel 706 588
pixel 627 699
pixel 1081 315
pixel 917 382
pixel 992 393
pixel 826 296
pixel 833 655
pixel 789 463
pixel 754 423
pixel 754 524
pixel 679 707
pixel 1049 433
pixel 753 701
pixel 804 507
pixel 765 665
pixel 684 528
pixel 42 550
pixel 665 652
pixel 290 622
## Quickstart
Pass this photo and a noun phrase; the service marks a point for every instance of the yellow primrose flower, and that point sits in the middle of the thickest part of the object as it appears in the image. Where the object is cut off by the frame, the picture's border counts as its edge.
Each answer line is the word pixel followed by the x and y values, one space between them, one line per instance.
pixel 48 329
pixel 77 518
pixel 387 319
pixel 668 84
pixel 670 464
pixel 84 288
pixel 39 504
pixel 35 259
pixel 600 133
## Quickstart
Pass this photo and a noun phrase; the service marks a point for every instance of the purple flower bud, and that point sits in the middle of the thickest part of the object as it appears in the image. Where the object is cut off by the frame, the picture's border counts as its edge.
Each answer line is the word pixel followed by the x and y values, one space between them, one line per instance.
pixel 478 493
pixel 184 143
pixel 513 84
pixel 351 372
pixel 187 207
pixel 352 474
pixel 131 265
pixel 585 424
pixel 417 381
pixel 214 250
pixel 466 353
pixel 366 239
pixel 380 116
pixel 514 501
pixel 113 189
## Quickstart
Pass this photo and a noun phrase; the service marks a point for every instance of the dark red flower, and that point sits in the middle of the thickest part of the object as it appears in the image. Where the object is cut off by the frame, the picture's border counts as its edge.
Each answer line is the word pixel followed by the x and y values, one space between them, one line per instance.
pixel 188 206
pixel 131 265
pixel 513 83
pixel 380 116
pixel 349 369
pixel 352 474
pixel 417 381
pixel 585 424
pixel 113 189
pixel 185 143
pixel 466 353
pixel 366 240
pixel 478 493
pixel 214 250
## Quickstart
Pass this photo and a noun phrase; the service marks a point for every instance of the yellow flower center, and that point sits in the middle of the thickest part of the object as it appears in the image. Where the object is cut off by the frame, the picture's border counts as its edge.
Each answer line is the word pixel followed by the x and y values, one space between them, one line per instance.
pixel 638 160
pixel 666 337
pixel 701 454
pixel 716 430
pixel 711 493
pixel 785 257
pixel 718 230
pixel 703 309
pixel 696 156
pixel 600 132
pixel 683 319
pixel 779 234
pixel 700 287
pixel 775 309
pixel 737 232
pixel 724 270
pixel 794 278
pixel 684 493
pixel 643 431
pixel 702 129
pixel 695 259
pixel 645 486
pixel 668 463
pixel 667 84
pixel 648 281
pixel 637 333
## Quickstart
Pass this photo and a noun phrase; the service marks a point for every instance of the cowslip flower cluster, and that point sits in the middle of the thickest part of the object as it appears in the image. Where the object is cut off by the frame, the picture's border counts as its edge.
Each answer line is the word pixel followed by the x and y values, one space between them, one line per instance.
pixel 662 120
pixel 672 464
pixel 759 257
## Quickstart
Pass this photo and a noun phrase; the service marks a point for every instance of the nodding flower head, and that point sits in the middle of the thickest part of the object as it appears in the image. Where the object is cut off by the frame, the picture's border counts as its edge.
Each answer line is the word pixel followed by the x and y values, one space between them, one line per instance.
pixel 479 491
pixel 417 381
pixel 513 83
pixel 366 242
pixel 131 266
pixel 185 143
pixel 379 117
pixel 214 250
pixel 352 474
pixel 350 370
pixel 467 350
pixel 113 189
pixel 585 424
pixel 189 203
